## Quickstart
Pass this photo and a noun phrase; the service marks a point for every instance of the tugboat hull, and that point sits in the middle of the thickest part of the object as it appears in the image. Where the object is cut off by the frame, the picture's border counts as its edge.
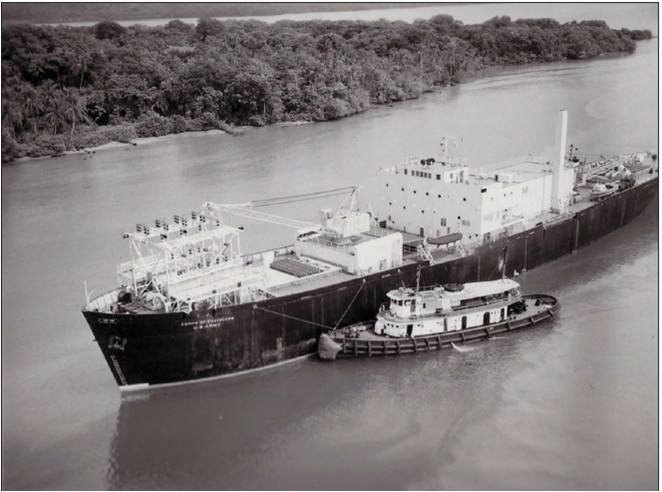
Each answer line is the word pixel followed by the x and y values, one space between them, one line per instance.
pixel 384 346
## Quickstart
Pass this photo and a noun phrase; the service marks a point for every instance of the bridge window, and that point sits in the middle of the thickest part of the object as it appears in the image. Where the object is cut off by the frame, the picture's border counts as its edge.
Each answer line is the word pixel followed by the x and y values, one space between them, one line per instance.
pixel 443 221
pixel 405 171
pixel 438 177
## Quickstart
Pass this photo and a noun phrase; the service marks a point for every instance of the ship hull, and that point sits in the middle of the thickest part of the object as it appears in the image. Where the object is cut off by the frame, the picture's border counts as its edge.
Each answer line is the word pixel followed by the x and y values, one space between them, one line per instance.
pixel 154 349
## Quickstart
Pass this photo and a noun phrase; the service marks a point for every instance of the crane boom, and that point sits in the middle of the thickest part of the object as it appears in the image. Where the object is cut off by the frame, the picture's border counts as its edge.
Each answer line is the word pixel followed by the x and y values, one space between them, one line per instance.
pixel 245 210
pixel 248 211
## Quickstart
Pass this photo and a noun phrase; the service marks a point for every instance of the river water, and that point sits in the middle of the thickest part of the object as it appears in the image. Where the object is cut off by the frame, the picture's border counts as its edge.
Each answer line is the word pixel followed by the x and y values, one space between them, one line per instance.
pixel 569 405
pixel 632 15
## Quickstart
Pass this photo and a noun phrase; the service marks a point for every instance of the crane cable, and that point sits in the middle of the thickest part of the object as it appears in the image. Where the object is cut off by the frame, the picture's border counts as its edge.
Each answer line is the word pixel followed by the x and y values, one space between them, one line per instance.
pixel 301 197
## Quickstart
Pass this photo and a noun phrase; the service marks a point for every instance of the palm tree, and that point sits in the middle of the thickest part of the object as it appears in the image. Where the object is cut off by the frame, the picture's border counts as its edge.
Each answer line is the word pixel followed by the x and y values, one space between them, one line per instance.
pixel 12 116
pixel 75 110
pixel 33 106
pixel 54 112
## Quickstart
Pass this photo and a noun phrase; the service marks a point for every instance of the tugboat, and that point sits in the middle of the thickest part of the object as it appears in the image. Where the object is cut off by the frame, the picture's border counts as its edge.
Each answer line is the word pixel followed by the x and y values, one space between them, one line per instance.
pixel 422 320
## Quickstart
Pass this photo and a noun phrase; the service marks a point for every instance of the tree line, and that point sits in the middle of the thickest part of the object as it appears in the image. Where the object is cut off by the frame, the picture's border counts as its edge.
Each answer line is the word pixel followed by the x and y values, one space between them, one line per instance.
pixel 68 88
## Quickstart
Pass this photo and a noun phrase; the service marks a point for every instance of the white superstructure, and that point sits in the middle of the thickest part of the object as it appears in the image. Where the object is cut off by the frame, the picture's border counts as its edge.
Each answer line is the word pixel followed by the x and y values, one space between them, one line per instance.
pixel 433 197
pixel 195 262
pixel 450 308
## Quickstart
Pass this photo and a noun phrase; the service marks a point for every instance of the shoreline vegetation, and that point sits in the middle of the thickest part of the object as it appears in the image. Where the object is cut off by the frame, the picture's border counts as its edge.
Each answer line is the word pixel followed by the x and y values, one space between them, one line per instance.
pixel 67 89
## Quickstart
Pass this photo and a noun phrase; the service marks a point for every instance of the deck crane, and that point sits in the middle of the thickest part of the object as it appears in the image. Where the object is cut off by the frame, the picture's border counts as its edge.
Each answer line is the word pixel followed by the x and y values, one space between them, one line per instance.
pixel 248 209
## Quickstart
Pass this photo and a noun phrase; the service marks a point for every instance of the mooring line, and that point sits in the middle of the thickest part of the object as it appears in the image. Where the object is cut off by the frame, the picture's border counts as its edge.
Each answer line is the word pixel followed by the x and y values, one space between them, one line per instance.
pixel 350 304
pixel 293 317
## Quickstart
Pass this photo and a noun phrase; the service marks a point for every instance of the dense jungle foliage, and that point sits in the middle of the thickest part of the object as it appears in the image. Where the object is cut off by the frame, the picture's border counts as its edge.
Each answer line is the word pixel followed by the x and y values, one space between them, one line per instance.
pixel 67 88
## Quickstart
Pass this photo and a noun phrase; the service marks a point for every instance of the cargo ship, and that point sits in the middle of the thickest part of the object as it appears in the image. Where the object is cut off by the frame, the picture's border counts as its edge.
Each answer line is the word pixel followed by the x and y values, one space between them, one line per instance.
pixel 191 307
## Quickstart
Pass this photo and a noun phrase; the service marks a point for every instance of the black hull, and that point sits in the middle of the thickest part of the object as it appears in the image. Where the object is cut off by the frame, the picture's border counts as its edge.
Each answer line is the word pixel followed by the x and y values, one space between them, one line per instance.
pixel 174 347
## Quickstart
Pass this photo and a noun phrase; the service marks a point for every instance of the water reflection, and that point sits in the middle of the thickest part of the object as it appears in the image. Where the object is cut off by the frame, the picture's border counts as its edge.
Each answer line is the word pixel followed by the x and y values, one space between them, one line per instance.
pixel 378 423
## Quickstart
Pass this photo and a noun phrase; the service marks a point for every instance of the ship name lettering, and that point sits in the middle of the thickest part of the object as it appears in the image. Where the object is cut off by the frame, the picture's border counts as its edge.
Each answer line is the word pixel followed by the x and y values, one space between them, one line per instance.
pixel 203 324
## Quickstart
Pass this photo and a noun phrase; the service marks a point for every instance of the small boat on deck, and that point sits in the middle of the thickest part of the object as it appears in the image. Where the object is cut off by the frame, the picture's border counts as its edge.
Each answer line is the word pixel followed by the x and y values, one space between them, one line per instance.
pixel 422 320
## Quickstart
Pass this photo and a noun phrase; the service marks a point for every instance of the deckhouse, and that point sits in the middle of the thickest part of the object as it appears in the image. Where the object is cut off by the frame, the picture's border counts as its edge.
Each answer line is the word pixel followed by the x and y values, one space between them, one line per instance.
pixel 437 196
pixel 447 308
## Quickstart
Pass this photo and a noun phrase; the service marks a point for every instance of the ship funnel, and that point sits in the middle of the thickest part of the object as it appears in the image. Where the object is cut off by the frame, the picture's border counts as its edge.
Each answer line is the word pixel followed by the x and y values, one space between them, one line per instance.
pixel 561 139
pixel 563 178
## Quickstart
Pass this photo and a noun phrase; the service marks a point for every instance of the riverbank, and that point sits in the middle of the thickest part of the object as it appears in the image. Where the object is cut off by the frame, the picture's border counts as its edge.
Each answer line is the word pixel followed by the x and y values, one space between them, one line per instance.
pixel 149 82
pixel 127 135
pixel 54 147
pixel 114 145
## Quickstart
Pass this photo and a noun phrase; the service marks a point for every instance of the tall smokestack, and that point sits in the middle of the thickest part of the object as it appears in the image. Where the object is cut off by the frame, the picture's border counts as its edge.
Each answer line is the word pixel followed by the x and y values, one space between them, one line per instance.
pixel 560 141
pixel 563 178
